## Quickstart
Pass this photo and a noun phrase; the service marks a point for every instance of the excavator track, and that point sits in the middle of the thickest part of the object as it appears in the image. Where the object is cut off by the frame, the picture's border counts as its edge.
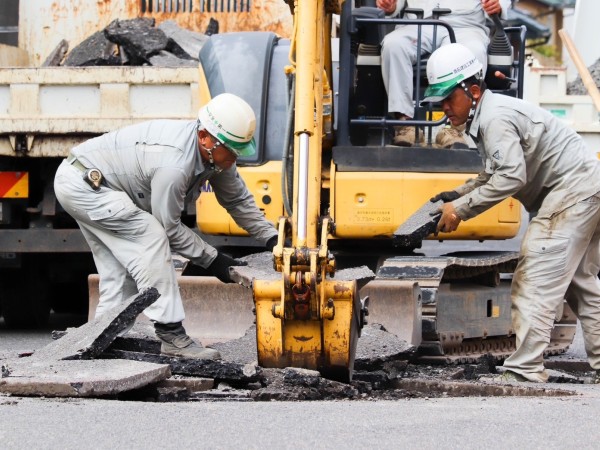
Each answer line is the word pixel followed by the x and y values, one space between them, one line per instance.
pixel 465 306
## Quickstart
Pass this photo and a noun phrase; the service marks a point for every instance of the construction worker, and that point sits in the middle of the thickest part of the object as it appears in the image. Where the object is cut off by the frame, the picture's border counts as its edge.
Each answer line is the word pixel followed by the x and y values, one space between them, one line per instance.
pixel 399 54
pixel 126 190
pixel 537 159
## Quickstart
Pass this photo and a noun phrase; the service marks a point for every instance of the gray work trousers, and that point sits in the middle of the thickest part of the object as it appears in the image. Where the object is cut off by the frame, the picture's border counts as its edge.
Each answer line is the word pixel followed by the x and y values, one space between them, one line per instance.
pixel 399 53
pixel 560 259
pixel 130 247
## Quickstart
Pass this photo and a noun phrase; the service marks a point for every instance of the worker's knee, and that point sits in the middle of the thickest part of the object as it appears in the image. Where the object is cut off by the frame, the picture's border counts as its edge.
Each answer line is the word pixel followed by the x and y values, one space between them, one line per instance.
pixel 398 47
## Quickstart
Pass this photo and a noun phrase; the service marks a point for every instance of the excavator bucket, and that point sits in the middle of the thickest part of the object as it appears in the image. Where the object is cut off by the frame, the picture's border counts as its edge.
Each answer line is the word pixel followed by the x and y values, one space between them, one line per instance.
pixel 327 344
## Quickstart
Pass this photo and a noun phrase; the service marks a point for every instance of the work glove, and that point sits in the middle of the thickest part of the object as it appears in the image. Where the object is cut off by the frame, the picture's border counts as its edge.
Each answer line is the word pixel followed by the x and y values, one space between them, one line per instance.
pixel 220 267
pixel 271 243
pixel 446 196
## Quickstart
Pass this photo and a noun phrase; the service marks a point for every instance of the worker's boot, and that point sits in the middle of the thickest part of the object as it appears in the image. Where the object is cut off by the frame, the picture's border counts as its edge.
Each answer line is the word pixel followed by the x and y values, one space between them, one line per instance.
pixel 176 342
pixel 406 136
pixel 450 137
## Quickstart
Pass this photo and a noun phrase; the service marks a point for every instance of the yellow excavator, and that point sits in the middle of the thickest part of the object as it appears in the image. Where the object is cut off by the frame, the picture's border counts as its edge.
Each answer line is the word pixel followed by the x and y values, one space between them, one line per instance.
pixel 327 176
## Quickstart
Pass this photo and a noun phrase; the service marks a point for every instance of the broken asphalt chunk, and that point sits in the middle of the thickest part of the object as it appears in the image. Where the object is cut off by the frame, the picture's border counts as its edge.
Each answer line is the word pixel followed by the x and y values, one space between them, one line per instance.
pixel 220 370
pixel 79 378
pixel 418 226
pixel 92 338
pixel 260 266
pixel 190 41
pixel 138 37
pixel 96 50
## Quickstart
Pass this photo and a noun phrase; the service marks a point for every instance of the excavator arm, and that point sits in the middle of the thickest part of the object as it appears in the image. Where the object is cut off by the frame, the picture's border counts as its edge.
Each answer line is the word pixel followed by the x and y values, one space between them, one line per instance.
pixel 307 319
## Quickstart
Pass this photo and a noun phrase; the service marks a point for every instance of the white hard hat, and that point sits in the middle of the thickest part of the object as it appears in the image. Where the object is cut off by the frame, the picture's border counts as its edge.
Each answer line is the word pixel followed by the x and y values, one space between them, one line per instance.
pixel 447 67
pixel 232 121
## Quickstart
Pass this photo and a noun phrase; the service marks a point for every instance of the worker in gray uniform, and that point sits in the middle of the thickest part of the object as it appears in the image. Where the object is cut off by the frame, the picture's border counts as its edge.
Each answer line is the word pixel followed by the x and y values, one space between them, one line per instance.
pixel 537 159
pixel 126 189
pixel 399 54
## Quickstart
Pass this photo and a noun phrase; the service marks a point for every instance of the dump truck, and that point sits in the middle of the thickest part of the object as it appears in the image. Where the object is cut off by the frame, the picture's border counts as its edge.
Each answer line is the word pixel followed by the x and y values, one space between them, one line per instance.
pixel 45 111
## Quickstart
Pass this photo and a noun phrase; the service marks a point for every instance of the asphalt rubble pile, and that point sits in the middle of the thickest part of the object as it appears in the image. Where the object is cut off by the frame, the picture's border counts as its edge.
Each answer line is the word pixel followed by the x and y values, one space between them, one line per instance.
pixel 386 368
pixel 116 357
pixel 135 42
pixel 576 87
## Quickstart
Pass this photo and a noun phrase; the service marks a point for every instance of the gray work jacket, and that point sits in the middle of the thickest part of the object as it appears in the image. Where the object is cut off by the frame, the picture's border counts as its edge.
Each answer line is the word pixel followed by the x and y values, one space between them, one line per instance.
pixel 528 154
pixel 465 13
pixel 157 163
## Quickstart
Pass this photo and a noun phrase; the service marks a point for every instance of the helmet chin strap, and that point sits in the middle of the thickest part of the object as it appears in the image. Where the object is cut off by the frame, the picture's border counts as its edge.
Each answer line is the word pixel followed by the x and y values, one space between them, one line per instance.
pixel 211 160
pixel 473 102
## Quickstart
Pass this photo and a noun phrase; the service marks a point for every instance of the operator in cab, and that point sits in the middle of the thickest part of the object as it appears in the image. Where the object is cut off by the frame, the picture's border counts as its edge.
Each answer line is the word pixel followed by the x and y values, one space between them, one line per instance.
pixel 126 189
pixel 532 156
pixel 399 53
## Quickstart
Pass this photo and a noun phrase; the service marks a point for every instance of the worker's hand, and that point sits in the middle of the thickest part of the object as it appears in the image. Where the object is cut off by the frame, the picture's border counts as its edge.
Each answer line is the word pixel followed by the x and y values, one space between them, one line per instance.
pixel 388 6
pixel 220 267
pixel 446 196
pixel 491 7
pixel 449 220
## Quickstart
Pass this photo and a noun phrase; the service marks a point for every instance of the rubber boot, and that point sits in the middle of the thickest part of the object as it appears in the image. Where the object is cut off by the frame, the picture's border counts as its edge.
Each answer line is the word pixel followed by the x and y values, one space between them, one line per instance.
pixel 176 342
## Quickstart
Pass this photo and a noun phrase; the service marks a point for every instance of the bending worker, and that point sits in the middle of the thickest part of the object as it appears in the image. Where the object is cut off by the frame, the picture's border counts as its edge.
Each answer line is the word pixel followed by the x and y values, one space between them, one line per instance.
pixel 399 54
pixel 126 190
pixel 535 158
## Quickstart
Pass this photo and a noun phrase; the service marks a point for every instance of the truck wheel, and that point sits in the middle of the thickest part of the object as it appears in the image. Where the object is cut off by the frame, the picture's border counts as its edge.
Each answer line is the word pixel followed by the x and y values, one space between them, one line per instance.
pixel 24 301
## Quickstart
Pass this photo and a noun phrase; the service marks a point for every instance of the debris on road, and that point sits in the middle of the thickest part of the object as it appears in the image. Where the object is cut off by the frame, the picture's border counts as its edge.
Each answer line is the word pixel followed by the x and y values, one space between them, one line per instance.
pixel 260 266
pixel 83 378
pixel 130 367
pixel 65 368
pixel 92 338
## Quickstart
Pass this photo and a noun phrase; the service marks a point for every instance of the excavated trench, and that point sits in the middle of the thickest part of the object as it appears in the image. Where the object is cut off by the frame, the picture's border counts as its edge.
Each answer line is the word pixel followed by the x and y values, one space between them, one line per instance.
pixel 386 368
pixel 94 361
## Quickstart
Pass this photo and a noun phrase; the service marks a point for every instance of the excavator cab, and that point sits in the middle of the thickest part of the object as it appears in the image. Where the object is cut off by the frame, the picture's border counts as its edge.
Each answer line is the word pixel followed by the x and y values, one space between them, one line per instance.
pixel 362 111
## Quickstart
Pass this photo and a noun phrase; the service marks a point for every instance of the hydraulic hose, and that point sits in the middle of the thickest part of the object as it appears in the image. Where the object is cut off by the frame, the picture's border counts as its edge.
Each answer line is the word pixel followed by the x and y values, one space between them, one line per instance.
pixel 286 175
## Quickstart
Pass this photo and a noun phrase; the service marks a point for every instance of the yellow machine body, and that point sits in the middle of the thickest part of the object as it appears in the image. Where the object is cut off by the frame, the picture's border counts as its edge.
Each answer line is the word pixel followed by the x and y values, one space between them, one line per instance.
pixel 360 210
pixel 264 182
pixel 374 204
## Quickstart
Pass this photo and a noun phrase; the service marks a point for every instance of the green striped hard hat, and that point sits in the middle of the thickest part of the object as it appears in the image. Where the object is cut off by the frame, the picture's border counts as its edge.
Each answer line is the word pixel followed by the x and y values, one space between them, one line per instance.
pixel 447 67
pixel 231 120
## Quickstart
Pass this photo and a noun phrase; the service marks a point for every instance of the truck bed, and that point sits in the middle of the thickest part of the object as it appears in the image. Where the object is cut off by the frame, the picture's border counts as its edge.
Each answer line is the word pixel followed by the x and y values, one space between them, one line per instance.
pixel 45 111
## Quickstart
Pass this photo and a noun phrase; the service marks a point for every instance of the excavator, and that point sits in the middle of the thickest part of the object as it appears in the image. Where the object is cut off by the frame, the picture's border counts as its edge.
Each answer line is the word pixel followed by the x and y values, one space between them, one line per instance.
pixel 327 175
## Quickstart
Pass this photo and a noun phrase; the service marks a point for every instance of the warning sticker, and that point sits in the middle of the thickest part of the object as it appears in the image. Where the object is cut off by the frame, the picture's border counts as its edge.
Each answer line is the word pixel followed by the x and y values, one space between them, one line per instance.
pixel 14 184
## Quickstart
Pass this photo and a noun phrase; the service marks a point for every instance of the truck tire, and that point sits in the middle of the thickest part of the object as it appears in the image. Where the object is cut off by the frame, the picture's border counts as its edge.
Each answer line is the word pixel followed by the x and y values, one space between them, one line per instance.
pixel 24 300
